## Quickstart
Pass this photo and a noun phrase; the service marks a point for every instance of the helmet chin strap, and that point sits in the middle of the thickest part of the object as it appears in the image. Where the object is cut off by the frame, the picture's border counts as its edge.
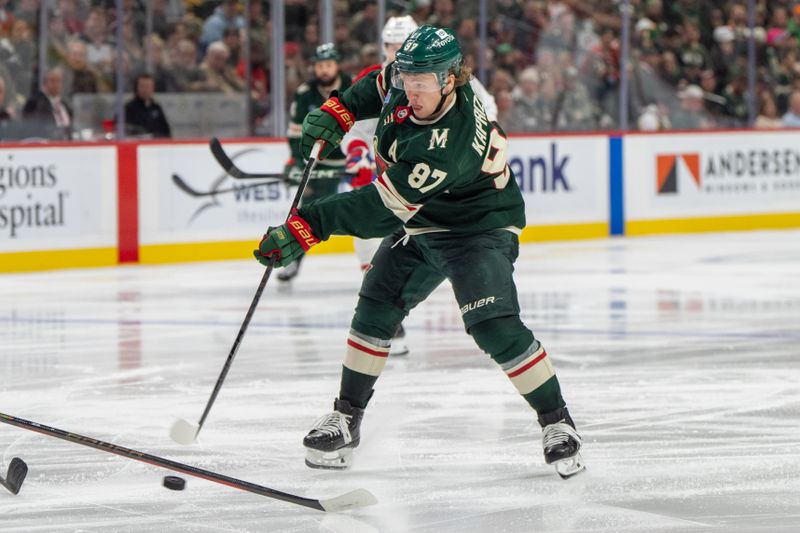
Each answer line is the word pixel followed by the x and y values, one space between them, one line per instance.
pixel 441 102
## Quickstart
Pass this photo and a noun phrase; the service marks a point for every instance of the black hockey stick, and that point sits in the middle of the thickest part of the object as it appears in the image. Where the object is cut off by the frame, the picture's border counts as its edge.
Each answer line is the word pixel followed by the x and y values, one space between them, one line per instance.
pixel 17 470
pixel 356 498
pixel 230 167
pixel 185 187
pixel 235 172
pixel 183 431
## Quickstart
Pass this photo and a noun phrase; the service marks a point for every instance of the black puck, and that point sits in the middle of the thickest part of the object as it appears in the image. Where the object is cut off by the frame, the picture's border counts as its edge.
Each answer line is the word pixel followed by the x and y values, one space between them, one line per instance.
pixel 174 482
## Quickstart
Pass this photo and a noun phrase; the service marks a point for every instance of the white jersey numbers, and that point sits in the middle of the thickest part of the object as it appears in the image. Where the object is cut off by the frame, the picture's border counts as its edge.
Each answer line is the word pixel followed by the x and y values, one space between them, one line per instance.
pixel 420 174
pixel 496 161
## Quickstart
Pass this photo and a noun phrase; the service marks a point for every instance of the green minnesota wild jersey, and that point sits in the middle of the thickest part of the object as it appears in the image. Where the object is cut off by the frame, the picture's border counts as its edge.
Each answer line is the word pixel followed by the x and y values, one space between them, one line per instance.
pixel 449 174
pixel 306 98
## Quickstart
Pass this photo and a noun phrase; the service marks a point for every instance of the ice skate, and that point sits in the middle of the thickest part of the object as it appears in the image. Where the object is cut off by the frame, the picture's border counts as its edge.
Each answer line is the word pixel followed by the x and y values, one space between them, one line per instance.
pixel 399 346
pixel 331 441
pixel 561 443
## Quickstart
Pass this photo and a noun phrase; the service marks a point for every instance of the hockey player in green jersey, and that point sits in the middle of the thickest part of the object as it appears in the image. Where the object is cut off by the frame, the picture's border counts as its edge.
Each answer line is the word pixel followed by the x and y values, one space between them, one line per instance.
pixel 451 208
pixel 308 97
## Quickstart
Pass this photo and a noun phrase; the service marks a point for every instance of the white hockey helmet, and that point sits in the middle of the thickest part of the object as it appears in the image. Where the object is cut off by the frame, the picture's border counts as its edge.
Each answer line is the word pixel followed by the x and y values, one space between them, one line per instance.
pixel 397 29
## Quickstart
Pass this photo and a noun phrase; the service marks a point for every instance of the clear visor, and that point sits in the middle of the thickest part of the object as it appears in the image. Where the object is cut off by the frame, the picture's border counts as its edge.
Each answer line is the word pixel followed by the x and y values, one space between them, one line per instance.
pixel 423 82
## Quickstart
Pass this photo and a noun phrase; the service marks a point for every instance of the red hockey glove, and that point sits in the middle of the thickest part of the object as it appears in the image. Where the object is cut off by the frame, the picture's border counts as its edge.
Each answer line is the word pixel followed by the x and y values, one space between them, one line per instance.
pixel 329 123
pixel 286 243
pixel 360 165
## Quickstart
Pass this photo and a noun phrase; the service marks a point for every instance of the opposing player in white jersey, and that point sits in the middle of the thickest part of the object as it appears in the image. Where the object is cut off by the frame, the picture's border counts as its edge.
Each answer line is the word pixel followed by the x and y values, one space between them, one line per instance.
pixel 357 143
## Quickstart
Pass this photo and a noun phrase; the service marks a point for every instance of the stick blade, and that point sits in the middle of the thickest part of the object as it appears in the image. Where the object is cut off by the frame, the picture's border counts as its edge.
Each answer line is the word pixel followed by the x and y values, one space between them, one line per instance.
pixel 184 432
pixel 351 500
pixel 17 470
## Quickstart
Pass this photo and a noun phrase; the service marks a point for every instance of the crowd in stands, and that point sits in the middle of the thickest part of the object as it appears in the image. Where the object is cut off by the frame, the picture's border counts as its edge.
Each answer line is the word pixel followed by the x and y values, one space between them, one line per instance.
pixel 552 65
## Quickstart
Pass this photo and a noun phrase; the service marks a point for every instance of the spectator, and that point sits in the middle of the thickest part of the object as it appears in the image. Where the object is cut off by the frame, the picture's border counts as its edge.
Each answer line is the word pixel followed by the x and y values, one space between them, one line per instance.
pixel 714 101
pixel 260 26
pixel 694 56
pixel 72 16
pixel 143 115
pixel 767 113
pixel 443 14
pixel 366 29
pixel 646 83
pixel 259 76
pixel 533 22
pixel 421 11
pixel 777 32
pixel 219 75
pixel 792 117
pixel 691 115
pixel 724 56
pixel 27 11
pixel 57 39
pixel 233 40
pixel 501 80
pixel 736 100
pixel 7 111
pixel 650 119
pixel 12 97
pixel 525 112
pixel 670 69
pixel 100 54
pixel 78 76
pixel 6 17
pixel 349 48
pixel 783 72
pixel 48 115
pixel 310 40
pixel 793 26
pixel 158 63
pixel 133 44
pixel 505 110
pixel 296 19
pixel 468 36
pixel 224 16
pixel 185 74
pixel 295 67
pixel 18 54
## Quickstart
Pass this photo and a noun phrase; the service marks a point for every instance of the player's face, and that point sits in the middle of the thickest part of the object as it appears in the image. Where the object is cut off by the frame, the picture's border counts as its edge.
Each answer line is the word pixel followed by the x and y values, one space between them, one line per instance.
pixel 424 93
pixel 326 71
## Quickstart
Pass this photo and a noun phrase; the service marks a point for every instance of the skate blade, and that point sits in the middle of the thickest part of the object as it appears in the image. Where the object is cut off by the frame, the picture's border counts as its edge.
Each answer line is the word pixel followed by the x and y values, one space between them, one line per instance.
pixel 398 348
pixel 335 460
pixel 566 468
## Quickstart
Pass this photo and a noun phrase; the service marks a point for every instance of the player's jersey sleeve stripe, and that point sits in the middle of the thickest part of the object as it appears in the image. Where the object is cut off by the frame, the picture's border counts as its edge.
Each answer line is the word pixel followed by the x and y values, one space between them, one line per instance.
pixel 393 200
pixel 366 70
pixel 382 89
pixel 365 357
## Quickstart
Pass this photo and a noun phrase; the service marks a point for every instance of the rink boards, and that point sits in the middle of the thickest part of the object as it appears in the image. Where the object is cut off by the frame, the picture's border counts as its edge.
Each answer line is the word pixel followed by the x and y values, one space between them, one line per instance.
pixel 77 205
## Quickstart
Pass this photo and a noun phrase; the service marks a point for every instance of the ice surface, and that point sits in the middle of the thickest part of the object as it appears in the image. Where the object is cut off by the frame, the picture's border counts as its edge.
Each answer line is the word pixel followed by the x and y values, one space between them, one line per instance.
pixel 678 356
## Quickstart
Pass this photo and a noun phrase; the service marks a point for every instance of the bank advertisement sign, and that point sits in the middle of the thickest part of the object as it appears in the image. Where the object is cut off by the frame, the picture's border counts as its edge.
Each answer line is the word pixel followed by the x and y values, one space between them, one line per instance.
pixel 736 173
pixel 564 180
pixel 58 198
pixel 185 196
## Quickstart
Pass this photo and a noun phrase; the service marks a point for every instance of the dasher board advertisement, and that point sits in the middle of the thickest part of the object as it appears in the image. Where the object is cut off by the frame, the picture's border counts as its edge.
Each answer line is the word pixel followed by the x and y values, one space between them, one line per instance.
pixel 228 210
pixel 564 180
pixel 729 173
pixel 58 198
